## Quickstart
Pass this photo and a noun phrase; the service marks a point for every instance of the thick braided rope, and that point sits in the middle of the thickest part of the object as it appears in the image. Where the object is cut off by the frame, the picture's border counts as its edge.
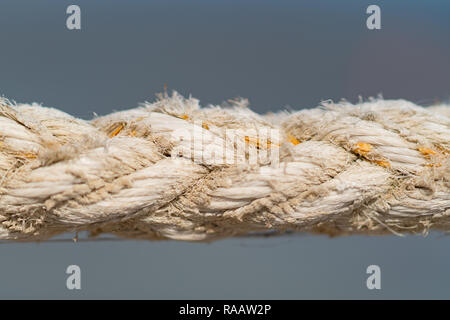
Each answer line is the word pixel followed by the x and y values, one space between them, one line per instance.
pixel 377 167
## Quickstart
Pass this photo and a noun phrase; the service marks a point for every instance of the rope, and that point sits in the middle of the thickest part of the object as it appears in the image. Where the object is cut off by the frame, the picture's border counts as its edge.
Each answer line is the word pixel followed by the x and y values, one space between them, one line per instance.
pixel 173 170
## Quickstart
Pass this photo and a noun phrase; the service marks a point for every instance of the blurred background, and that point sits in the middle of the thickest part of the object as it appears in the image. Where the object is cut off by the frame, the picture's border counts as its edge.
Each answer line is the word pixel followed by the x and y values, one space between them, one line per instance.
pixel 278 54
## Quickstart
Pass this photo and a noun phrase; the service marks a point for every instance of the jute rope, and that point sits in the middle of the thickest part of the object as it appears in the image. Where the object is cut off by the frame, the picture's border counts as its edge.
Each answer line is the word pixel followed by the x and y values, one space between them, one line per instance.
pixel 173 170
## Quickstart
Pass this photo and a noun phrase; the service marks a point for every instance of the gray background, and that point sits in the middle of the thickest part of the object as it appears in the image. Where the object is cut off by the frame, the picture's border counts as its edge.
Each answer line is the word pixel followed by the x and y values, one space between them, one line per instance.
pixel 276 53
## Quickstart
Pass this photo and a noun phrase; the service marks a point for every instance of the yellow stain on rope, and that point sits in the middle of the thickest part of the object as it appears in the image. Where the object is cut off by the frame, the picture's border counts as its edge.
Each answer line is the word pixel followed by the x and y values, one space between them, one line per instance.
pixel 256 142
pixel 293 140
pixel 117 130
pixel 383 163
pixel 427 152
pixel 205 126
pixel 362 148
pixel 26 155
pixel 433 165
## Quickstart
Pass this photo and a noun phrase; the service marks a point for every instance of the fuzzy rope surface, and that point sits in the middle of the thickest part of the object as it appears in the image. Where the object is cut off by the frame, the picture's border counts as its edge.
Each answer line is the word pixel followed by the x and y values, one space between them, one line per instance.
pixel 377 167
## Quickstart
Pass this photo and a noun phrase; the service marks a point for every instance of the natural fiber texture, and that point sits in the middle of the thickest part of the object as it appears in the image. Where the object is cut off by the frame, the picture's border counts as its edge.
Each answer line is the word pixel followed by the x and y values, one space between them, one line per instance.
pixel 377 167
